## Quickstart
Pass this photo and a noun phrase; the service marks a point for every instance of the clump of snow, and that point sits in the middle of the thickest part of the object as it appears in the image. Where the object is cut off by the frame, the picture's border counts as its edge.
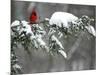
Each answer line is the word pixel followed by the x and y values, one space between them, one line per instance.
pixel 63 53
pixel 17 66
pixel 62 18
pixel 46 19
pixel 37 38
pixel 91 30
pixel 26 28
pixel 15 23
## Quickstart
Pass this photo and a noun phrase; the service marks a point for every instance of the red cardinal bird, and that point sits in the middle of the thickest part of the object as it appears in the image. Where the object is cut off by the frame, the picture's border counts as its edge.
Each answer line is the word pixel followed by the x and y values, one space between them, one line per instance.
pixel 33 17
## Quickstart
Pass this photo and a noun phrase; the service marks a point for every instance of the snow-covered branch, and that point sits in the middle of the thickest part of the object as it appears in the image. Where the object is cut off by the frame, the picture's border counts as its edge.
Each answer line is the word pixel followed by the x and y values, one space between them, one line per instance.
pixel 62 19
pixel 60 24
pixel 56 46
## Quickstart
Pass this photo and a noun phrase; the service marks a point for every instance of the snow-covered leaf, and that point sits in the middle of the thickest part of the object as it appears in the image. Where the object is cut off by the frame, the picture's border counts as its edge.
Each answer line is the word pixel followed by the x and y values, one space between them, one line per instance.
pixel 62 53
pixel 53 38
pixel 24 23
pixel 41 42
pixel 34 43
pixel 60 34
pixel 91 30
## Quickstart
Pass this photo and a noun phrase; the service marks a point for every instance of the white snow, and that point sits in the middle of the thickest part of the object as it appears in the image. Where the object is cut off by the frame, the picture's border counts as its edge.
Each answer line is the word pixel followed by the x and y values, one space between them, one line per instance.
pixel 41 42
pixel 17 66
pixel 47 19
pixel 27 28
pixel 63 53
pixel 60 18
pixel 51 31
pixel 39 32
pixel 15 23
pixel 60 34
pixel 57 41
pixel 91 30
pixel 36 38
pixel 24 23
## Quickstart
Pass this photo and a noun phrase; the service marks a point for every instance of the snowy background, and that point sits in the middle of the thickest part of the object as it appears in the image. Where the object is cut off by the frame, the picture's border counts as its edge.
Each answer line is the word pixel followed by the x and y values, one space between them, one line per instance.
pixel 83 57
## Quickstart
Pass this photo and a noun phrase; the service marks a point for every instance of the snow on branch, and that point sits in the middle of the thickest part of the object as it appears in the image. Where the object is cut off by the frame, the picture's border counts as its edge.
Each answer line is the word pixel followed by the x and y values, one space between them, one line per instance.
pixel 91 30
pixel 56 46
pixel 59 25
pixel 62 18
